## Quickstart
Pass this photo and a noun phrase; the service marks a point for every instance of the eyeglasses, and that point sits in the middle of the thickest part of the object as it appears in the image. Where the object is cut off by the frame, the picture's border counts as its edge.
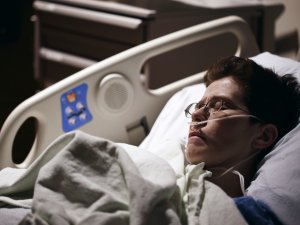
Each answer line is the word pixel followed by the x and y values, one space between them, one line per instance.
pixel 211 108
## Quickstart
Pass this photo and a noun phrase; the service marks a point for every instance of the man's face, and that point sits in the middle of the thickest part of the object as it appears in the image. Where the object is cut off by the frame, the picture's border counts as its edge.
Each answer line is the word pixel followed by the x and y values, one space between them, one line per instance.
pixel 221 142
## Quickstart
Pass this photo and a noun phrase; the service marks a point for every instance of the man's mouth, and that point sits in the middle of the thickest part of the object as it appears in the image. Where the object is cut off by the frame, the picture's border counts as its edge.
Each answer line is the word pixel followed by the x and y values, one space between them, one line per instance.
pixel 196 136
pixel 195 133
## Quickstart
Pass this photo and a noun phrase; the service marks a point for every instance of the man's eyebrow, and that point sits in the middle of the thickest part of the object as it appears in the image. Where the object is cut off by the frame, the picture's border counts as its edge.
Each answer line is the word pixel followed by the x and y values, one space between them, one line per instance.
pixel 216 97
pixel 221 97
pixel 202 102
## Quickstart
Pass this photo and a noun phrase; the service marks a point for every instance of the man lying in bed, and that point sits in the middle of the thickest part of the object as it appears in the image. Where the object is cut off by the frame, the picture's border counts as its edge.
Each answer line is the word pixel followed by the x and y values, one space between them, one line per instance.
pixel 245 110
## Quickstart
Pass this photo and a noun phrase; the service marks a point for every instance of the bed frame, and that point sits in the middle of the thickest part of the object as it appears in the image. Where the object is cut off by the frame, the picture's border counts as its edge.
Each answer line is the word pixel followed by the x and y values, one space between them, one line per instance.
pixel 109 99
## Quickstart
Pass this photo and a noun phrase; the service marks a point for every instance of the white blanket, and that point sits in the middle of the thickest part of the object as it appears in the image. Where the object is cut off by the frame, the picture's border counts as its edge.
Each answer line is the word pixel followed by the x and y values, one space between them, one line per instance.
pixel 94 181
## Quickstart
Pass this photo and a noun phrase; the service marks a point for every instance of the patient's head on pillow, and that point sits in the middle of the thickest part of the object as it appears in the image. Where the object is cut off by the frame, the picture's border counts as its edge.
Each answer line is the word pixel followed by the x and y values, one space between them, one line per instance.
pixel 277 180
pixel 272 98
pixel 245 109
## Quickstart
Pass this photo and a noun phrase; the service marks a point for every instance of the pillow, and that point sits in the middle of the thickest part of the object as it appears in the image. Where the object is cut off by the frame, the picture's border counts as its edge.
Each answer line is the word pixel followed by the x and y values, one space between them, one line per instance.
pixel 277 181
pixel 171 123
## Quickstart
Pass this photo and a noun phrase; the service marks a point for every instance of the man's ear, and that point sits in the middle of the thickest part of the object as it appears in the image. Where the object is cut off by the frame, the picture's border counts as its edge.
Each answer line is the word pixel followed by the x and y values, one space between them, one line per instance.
pixel 266 136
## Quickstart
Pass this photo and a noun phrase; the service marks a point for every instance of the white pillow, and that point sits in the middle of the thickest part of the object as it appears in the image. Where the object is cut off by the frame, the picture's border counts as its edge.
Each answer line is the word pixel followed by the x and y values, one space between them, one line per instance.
pixel 277 183
pixel 171 122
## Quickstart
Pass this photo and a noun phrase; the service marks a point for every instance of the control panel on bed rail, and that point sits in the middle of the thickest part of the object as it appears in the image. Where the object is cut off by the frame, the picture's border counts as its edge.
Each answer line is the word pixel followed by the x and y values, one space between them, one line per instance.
pixel 74 108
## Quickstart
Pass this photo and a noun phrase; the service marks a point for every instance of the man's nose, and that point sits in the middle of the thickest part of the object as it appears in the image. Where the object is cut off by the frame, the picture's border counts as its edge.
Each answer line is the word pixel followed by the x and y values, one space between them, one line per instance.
pixel 199 115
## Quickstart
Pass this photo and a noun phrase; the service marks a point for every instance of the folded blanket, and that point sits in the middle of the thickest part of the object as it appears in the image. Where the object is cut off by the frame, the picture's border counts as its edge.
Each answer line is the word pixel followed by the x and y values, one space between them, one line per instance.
pixel 95 181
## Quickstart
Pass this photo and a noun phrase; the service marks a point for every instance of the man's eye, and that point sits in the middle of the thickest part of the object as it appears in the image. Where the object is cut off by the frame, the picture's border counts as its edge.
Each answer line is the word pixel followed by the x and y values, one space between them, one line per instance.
pixel 216 104
pixel 227 105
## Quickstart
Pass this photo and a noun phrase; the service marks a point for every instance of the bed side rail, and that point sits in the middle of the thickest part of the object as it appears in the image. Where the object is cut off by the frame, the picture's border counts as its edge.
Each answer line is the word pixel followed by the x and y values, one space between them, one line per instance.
pixel 108 98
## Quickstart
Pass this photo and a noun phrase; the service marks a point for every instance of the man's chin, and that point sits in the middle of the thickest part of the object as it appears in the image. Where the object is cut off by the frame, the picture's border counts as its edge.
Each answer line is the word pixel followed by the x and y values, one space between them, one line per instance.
pixel 193 156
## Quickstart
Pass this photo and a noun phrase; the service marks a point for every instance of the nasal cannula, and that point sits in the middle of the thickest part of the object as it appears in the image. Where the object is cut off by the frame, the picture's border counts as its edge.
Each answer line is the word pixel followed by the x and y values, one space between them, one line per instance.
pixel 196 123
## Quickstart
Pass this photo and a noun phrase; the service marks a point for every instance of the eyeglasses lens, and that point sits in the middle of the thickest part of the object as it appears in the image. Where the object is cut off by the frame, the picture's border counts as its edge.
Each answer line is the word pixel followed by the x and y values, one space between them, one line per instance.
pixel 210 108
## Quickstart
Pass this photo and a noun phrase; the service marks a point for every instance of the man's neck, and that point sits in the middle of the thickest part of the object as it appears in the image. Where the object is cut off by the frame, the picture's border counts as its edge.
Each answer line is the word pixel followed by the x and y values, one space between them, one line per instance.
pixel 229 181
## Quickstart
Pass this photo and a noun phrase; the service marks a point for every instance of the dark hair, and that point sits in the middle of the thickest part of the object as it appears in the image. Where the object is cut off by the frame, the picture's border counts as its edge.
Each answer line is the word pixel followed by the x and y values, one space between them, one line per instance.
pixel 274 99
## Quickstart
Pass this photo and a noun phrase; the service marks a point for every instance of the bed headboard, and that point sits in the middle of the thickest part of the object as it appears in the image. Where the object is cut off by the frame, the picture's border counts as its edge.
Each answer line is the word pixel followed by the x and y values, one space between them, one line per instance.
pixel 108 99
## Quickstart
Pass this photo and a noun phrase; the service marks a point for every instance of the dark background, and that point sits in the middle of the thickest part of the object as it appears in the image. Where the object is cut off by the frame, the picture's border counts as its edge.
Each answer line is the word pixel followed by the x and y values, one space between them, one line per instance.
pixel 16 54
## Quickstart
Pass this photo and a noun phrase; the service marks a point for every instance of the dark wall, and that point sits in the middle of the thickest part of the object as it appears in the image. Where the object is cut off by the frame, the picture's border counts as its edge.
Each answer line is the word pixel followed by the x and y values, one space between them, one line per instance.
pixel 16 54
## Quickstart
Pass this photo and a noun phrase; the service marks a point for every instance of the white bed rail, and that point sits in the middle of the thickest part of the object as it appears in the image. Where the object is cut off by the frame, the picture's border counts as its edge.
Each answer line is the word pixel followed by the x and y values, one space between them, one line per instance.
pixel 116 101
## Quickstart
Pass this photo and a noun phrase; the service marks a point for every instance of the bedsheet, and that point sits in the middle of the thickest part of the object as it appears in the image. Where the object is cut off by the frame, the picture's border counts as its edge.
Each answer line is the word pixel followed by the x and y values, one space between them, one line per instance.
pixel 94 181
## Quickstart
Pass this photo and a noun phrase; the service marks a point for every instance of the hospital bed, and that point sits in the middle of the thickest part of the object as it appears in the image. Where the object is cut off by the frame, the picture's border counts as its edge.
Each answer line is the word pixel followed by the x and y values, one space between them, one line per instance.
pixel 110 100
